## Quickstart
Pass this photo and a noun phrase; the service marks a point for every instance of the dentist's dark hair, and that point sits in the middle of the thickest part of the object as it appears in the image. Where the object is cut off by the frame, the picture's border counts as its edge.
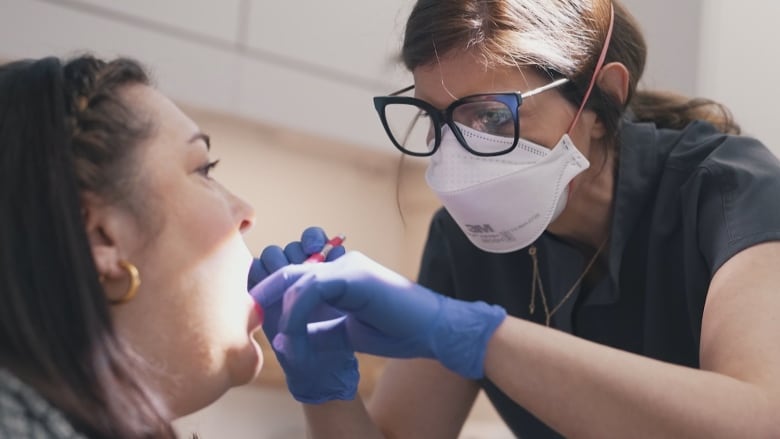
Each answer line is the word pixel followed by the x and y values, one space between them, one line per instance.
pixel 563 39
pixel 65 130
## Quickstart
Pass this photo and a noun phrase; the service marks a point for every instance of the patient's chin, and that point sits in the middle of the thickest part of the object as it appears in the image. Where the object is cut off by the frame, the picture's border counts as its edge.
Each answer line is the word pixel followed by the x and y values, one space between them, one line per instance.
pixel 245 364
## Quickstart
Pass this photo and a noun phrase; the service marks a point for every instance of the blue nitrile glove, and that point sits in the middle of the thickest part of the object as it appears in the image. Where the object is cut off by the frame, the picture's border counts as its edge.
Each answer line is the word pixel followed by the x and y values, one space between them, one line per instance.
pixel 333 374
pixel 386 315
pixel 273 257
pixel 309 379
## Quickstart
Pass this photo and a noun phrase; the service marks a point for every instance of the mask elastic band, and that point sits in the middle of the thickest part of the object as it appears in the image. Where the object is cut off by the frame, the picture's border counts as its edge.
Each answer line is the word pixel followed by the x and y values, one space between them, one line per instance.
pixel 599 64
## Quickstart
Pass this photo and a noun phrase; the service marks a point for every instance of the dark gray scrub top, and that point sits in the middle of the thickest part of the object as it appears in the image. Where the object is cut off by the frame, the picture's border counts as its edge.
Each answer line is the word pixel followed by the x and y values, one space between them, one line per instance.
pixel 685 202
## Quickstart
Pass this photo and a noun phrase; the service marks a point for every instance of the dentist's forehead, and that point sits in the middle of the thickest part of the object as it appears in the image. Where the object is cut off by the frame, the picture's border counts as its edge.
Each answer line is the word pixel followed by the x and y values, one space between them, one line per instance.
pixel 456 76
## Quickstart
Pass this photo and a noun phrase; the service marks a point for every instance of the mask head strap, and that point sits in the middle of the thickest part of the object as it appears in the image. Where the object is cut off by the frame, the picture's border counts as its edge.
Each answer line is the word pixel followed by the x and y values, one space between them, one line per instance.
pixel 599 64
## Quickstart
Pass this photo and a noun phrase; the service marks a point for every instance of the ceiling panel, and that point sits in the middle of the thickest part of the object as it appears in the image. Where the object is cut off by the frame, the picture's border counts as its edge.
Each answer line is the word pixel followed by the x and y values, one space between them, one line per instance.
pixel 215 19
pixel 185 70
pixel 358 39
pixel 307 104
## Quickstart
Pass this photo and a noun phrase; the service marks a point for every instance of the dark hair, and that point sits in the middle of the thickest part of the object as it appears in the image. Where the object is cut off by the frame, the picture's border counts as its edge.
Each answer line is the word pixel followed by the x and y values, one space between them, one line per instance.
pixel 66 129
pixel 562 38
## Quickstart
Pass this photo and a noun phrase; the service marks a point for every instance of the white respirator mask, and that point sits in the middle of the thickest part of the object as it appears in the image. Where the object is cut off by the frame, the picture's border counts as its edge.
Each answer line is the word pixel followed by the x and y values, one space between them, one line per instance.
pixel 503 203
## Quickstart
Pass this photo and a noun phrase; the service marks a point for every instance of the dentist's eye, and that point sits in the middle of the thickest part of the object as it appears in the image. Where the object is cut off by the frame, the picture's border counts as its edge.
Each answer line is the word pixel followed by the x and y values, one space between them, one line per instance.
pixel 487 116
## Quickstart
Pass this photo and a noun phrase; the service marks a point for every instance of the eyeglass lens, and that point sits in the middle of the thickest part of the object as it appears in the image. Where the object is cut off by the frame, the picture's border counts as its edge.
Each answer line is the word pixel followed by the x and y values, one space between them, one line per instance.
pixel 411 126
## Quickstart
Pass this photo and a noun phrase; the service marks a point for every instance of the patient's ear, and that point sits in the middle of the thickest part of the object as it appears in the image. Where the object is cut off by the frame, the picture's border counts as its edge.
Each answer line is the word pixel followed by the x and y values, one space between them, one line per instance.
pixel 103 225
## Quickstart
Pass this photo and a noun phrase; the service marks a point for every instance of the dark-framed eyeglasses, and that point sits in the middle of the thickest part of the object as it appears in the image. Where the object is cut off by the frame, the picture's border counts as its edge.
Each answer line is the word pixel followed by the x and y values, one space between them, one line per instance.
pixel 415 126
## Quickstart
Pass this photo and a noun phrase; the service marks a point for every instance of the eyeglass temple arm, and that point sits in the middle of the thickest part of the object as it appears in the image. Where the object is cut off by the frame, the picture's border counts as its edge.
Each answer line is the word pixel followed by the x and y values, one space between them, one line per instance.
pixel 401 91
pixel 527 94
pixel 536 91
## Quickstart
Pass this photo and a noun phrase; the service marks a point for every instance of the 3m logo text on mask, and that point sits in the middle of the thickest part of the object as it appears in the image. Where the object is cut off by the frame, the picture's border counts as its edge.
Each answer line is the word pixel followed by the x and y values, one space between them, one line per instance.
pixel 504 204
pixel 479 228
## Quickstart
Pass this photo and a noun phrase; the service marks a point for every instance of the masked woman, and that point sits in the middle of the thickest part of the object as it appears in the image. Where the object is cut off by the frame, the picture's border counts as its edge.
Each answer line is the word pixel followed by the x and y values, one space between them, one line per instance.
pixel 609 256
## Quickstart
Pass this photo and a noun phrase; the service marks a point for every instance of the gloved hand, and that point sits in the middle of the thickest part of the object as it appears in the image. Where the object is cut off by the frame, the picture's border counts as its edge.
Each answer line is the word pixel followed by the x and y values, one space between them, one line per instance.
pixel 385 315
pixel 339 380
pixel 273 257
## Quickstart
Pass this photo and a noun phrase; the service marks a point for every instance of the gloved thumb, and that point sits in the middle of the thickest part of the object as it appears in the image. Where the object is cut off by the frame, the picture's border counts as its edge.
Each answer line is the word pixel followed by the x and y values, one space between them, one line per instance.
pixel 322 336
pixel 303 301
pixel 272 289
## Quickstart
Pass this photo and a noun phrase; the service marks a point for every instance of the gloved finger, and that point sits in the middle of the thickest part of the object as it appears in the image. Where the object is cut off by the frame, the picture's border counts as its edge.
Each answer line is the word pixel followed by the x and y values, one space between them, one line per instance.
pixel 369 340
pixel 372 293
pixel 318 315
pixel 322 337
pixel 270 290
pixel 294 252
pixel 351 283
pixel 302 300
pixel 365 275
pixel 291 349
pixel 271 322
pixel 322 321
pixel 335 253
pixel 273 258
pixel 325 285
pixel 329 335
pixel 323 313
pixel 268 294
pixel 313 239
pixel 257 272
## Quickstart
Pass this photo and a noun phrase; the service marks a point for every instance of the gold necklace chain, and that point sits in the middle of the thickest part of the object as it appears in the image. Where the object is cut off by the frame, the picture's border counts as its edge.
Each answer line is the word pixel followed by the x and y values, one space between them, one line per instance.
pixel 537 280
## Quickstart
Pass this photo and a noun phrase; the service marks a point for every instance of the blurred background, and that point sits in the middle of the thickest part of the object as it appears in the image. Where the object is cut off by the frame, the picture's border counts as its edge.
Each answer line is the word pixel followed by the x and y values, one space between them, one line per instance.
pixel 284 89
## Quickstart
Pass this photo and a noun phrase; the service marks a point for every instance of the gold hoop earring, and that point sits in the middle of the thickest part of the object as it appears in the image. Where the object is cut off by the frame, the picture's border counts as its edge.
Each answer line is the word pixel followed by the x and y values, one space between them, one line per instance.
pixel 135 281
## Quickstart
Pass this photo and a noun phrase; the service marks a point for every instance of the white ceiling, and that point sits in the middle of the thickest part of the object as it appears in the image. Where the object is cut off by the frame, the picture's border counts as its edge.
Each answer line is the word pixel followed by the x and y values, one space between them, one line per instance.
pixel 309 65
pixel 314 65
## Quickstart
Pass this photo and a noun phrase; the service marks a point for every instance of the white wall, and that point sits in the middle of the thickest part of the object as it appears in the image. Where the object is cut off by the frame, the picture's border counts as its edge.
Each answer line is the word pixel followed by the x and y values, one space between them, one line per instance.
pixel 739 63
pixel 671 30
pixel 724 50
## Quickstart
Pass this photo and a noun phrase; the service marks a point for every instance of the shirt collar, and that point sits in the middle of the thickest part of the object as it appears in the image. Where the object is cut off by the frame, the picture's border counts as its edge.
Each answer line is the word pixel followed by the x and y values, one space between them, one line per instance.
pixel 640 164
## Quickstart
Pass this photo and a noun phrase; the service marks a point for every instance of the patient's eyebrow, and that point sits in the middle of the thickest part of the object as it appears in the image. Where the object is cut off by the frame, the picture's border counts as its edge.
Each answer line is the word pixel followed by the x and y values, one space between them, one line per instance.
pixel 201 136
